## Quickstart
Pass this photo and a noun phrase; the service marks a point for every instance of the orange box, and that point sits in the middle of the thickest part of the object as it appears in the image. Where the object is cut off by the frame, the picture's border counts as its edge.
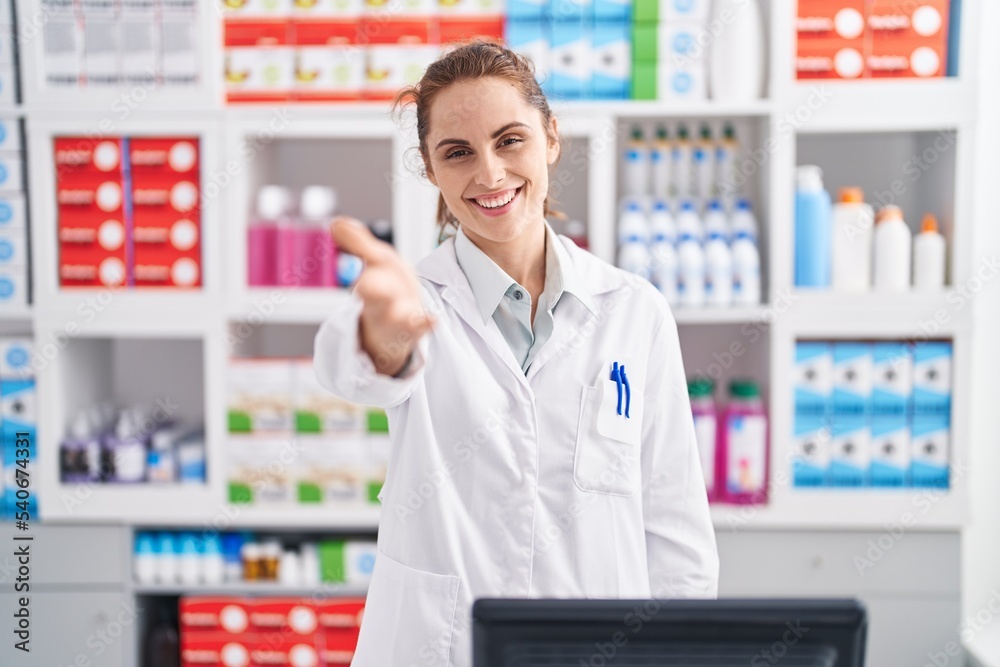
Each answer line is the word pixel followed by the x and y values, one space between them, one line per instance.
pixel 340 623
pixel 906 57
pixel 460 29
pixel 291 616
pixel 831 18
pixel 225 614
pixel 283 648
pixel 215 649
pixel 923 19
pixel 828 58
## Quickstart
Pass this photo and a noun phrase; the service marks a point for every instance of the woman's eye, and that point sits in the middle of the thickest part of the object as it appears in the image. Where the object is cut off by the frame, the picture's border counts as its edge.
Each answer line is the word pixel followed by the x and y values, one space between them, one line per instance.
pixel 456 153
pixel 510 141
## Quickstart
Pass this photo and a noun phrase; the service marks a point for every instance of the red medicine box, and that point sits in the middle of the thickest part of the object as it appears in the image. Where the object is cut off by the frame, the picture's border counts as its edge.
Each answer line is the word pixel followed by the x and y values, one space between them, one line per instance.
pixel 93 234
pixel 166 212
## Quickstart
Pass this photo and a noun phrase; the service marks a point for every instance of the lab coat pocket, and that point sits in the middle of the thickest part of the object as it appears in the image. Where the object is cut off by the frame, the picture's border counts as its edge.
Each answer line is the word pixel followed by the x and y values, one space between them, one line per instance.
pixel 608 443
pixel 409 617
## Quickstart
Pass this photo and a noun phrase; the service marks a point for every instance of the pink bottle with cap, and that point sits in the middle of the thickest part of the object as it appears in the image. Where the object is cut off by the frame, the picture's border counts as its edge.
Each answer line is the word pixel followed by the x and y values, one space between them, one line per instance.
pixel 743 445
pixel 706 420
pixel 315 253
pixel 262 236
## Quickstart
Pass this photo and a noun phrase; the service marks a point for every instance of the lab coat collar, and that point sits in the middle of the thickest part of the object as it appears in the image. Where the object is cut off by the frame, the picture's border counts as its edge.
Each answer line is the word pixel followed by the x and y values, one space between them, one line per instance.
pixel 489 282
pixel 585 276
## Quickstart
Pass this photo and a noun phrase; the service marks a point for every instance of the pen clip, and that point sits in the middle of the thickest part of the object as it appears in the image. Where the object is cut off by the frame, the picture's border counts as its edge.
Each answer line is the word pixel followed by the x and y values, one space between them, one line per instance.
pixel 616 376
pixel 628 390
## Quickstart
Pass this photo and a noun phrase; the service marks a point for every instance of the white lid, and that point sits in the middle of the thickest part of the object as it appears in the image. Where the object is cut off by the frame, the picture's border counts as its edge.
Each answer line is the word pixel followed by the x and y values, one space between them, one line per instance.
pixel 576 228
pixel 809 178
pixel 318 202
pixel 80 428
pixel 273 201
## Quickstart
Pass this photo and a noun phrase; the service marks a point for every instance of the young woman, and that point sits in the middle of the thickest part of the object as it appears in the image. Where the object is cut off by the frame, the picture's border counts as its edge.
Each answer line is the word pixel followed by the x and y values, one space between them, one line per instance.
pixel 542 439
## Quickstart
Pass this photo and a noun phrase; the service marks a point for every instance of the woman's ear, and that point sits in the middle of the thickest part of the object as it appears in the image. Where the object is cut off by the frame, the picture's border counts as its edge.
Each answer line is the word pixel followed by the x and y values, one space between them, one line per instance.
pixel 553 148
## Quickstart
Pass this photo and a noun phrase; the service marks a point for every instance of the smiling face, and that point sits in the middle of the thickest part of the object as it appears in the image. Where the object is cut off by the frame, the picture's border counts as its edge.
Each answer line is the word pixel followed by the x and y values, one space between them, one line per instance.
pixel 488 152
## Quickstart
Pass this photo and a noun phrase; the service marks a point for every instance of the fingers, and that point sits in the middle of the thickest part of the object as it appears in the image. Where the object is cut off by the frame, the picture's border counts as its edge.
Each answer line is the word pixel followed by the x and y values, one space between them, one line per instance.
pixel 356 239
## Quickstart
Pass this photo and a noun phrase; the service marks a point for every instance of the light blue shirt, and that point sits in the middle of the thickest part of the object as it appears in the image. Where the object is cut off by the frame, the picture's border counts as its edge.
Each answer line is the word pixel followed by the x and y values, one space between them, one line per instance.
pixel 509 304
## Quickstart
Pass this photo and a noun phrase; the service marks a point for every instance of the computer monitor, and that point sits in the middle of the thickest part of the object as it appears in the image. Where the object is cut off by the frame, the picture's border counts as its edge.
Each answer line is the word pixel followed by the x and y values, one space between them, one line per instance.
pixel 674 633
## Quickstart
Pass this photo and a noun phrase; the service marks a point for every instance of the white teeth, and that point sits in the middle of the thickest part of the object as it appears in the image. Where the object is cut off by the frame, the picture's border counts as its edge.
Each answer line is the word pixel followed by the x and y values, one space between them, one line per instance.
pixel 496 202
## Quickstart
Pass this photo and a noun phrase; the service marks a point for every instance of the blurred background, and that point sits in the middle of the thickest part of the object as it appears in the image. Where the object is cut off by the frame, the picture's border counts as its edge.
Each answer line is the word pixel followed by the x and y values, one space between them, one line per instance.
pixel 809 185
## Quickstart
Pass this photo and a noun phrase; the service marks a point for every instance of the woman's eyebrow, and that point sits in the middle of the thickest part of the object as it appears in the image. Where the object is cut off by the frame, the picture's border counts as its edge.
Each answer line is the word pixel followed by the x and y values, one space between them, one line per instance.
pixel 463 142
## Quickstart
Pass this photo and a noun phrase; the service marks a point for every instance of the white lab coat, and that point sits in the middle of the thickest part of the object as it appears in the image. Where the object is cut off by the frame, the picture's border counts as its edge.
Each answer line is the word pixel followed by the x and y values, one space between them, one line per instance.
pixel 501 484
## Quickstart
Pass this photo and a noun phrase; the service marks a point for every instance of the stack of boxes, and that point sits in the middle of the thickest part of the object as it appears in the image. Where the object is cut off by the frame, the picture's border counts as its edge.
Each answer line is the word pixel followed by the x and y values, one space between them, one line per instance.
pixel 580 48
pixel 129 212
pixel 18 415
pixel 850 39
pixel 334 50
pixel 291 441
pixel 15 274
pixel 670 49
pixel 221 631
pixel 144 43
pixel 872 414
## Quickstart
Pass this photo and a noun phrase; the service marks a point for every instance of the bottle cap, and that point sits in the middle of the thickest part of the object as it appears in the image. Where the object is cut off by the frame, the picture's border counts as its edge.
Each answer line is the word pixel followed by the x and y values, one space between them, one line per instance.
pixel 318 202
pixel 636 133
pixel 744 389
pixel 706 131
pixel 809 177
pixel 661 132
pixel 682 132
pixel 889 213
pixel 852 195
pixel 743 204
pixel 929 224
pixel 273 201
pixel 700 387
pixel 729 132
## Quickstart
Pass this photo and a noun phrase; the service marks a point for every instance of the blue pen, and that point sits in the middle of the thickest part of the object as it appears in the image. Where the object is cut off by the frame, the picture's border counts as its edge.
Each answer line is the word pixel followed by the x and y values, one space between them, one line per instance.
pixel 617 378
pixel 628 391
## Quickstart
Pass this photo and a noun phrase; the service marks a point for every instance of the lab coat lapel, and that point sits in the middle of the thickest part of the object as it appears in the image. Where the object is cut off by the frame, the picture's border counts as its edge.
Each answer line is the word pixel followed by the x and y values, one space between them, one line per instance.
pixel 441 267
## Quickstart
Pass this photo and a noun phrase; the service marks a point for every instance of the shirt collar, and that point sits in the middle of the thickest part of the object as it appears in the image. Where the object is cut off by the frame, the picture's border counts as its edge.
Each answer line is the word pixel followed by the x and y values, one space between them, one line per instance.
pixel 489 282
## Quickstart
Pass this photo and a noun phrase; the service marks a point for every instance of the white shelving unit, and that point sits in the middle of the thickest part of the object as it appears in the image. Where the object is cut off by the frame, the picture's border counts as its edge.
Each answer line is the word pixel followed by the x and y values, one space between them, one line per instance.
pixel 354 143
pixel 359 142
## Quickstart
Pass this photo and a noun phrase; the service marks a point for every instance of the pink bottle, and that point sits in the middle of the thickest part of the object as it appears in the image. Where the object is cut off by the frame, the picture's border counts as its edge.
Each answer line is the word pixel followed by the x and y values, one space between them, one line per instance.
pixel 743 451
pixel 706 421
pixel 315 254
pixel 262 237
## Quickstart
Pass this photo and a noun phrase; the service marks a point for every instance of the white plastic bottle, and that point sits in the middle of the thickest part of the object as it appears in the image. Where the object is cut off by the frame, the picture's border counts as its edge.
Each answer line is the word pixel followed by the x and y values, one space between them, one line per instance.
pixel 690 258
pixel 726 186
pixel 213 564
pixel 663 236
pixel 851 257
pixel 633 241
pixel 145 558
pixel 703 161
pixel 892 251
pixel 716 219
pixel 743 220
pixel 188 559
pixel 928 256
pixel 746 268
pixel 636 165
pixel 736 61
pixel 660 158
pixel 166 570
pixel 681 164
pixel 718 270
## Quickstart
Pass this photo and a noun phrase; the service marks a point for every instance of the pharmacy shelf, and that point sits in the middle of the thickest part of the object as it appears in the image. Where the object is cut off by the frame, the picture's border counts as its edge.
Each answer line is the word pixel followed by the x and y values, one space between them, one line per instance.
pixel 735 315
pixel 860 106
pixel 296 517
pixel 325 589
pixel 848 509
pixel 662 108
pixel 128 312
pixel 163 504
pixel 277 305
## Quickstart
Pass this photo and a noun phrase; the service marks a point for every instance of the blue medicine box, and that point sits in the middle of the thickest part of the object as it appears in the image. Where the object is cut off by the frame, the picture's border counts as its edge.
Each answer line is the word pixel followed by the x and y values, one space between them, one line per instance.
pixel 930 451
pixel 892 378
pixel 811 460
pixel 851 453
pixel 852 377
pixel 932 378
pixel 813 377
pixel 890 450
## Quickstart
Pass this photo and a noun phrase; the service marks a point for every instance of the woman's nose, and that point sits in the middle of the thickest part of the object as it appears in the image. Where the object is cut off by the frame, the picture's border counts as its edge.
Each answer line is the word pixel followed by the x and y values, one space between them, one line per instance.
pixel 491 171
